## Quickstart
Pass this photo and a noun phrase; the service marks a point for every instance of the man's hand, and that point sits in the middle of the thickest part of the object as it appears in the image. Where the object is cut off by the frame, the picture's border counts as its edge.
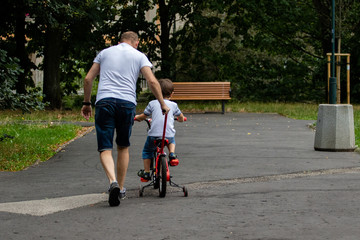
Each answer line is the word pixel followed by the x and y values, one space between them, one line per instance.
pixel 88 81
pixel 165 109
pixel 86 112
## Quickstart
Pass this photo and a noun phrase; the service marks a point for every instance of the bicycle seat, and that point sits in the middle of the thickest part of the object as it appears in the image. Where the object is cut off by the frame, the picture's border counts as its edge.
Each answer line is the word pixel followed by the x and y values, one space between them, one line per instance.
pixel 158 141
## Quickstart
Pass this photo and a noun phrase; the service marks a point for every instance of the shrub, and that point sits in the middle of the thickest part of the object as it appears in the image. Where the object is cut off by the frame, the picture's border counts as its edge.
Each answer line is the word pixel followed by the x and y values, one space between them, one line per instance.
pixel 9 99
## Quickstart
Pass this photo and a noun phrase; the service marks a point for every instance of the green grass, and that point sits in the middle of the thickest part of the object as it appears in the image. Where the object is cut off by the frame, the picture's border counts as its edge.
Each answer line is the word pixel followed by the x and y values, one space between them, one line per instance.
pixel 38 142
pixel 292 110
pixel 357 125
pixel 31 143
pixel 7 116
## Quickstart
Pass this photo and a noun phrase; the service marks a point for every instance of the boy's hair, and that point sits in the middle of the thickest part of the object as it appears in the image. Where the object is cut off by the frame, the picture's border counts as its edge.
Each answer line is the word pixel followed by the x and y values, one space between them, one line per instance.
pixel 167 87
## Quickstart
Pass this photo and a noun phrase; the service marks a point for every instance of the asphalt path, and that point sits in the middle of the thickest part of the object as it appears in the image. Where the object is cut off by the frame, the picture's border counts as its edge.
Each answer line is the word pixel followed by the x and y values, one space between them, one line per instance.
pixel 249 176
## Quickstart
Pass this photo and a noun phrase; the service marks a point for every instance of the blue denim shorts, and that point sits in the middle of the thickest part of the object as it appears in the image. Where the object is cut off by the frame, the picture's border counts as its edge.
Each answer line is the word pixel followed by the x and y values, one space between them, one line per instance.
pixel 150 148
pixel 111 114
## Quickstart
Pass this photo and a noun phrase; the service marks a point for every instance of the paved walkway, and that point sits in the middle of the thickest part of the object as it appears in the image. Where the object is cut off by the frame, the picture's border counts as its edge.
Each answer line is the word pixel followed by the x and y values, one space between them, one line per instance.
pixel 249 176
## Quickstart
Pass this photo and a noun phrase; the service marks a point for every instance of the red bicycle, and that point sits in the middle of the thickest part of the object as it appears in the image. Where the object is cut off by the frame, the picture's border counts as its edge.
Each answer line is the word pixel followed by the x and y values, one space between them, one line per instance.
pixel 159 167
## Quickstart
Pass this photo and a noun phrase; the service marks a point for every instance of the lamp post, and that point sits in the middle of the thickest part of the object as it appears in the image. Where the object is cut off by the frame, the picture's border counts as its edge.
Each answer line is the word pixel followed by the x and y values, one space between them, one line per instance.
pixel 332 81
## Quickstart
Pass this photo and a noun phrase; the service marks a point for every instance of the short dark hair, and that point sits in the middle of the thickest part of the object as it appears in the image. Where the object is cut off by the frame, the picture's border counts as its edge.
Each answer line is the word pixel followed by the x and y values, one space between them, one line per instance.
pixel 167 87
pixel 129 36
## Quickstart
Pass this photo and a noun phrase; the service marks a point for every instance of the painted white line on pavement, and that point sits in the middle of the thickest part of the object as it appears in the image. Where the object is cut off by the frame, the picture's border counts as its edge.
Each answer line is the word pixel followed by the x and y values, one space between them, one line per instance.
pixel 52 205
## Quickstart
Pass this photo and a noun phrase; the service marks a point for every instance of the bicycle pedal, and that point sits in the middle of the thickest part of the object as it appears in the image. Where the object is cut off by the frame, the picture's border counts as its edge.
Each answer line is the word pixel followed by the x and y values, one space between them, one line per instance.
pixel 143 180
pixel 173 163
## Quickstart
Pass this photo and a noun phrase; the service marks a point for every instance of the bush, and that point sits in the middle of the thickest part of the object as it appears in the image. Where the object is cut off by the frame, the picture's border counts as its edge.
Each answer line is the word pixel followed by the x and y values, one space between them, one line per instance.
pixel 9 99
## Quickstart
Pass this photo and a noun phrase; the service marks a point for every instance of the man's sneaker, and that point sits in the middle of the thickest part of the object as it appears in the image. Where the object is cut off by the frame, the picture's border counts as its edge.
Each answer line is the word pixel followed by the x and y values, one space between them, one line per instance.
pixel 122 194
pixel 114 191
pixel 173 160
pixel 145 176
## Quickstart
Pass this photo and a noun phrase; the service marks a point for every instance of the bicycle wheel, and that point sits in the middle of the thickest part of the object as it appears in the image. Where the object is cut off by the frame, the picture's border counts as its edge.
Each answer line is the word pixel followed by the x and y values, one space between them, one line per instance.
pixel 156 178
pixel 163 176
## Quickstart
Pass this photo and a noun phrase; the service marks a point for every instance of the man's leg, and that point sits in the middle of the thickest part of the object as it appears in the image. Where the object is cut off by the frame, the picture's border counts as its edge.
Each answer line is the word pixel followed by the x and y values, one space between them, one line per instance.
pixel 122 165
pixel 107 162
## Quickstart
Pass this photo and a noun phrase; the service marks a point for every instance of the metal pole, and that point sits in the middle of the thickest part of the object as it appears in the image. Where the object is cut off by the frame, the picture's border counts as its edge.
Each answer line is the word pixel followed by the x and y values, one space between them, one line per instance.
pixel 348 78
pixel 332 90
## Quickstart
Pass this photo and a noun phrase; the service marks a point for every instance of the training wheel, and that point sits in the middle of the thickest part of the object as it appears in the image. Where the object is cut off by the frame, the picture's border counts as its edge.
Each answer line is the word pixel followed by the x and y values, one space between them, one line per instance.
pixel 185 191
pixel 141 192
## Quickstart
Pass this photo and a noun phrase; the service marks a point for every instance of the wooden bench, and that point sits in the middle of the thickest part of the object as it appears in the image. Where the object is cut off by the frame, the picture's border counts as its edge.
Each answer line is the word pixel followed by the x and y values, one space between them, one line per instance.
pixel 202 91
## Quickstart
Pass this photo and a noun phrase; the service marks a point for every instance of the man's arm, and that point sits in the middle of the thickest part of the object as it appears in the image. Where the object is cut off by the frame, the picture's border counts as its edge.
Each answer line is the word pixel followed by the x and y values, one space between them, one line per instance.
pixel 88 82
pixel 154 87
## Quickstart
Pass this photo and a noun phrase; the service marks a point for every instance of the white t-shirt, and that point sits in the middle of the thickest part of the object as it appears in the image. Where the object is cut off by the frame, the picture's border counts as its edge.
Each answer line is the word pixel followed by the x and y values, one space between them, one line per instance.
pixel 119 70
pixel 157 124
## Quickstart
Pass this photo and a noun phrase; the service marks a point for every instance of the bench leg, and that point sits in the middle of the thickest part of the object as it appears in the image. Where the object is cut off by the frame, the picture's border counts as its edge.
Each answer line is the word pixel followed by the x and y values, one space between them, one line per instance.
pixel 223 107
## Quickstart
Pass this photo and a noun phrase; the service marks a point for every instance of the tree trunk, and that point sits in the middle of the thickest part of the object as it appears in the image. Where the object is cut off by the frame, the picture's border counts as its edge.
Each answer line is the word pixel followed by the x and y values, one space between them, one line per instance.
pixel 52 54
pixel 323 9
pixel 20 48
pixel 164 38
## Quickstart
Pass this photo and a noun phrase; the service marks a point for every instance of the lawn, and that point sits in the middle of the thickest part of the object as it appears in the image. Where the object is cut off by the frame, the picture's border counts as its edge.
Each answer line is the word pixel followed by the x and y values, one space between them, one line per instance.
pixel 23 145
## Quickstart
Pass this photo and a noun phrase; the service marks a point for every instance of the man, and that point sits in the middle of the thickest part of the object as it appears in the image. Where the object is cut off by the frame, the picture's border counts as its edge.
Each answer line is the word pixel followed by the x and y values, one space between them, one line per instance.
pixel 119 67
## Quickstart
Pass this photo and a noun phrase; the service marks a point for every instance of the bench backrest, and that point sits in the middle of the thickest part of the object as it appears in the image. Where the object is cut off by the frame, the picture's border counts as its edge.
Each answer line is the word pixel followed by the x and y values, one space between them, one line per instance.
pixel 201 91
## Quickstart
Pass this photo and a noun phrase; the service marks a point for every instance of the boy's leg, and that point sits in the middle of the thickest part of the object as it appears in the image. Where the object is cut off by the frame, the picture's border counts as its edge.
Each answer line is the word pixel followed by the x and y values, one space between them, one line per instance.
pixel 147 165
pixel 174 161
pixel 147 153
pixel 171 148
pixel 145 174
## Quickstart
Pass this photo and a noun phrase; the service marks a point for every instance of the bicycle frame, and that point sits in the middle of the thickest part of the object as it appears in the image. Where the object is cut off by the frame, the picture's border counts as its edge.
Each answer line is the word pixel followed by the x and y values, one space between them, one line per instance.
pixel 160 153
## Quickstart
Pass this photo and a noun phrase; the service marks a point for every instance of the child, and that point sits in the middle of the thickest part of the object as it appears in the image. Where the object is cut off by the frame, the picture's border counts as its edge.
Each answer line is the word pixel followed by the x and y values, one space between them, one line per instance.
pixel 157 127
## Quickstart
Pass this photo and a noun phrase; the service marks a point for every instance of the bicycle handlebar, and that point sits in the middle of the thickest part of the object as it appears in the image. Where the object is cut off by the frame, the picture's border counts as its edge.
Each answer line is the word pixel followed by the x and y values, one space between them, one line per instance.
pixel 177 119
pixel 148 120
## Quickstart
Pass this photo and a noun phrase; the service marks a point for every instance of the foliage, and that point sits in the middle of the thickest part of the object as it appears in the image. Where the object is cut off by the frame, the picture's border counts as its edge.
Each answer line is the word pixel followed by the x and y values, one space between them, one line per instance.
pixel 236 44
pixel 271 50
pixel 9 99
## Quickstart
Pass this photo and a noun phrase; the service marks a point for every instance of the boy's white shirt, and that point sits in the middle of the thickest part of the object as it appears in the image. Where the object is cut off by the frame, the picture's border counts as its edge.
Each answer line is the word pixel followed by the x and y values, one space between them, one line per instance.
pixel 157 124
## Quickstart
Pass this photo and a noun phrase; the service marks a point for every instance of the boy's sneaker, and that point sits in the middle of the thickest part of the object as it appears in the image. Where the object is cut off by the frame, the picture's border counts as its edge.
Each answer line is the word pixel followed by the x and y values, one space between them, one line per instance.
pixel 173 160
pixel 145 176
pixel 122 194
pixel 114 192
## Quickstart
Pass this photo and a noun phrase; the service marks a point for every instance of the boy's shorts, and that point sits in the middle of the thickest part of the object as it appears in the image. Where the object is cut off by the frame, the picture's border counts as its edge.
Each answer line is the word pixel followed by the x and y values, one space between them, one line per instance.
pixel 150 148
pixel 111 114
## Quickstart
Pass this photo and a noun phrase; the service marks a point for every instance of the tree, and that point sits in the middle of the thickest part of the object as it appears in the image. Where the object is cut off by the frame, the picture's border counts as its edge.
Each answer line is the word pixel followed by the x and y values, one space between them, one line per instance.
pixel 12 29
pixel 55 24
pixel 157 34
